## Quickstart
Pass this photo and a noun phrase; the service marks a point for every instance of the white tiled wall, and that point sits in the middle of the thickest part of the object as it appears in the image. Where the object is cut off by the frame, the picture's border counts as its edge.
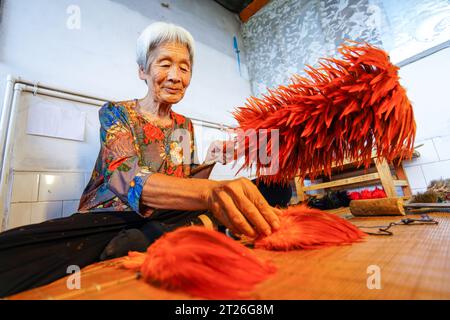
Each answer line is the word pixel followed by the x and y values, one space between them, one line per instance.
pixel 442 145
pixel 416 177
pixel 39 196
pixel 50 173
pixel 433 163
pixel 61 186
pixel 42 211
pixel 436 170
pixel 19 215
pixel 25 187
pixel 427 84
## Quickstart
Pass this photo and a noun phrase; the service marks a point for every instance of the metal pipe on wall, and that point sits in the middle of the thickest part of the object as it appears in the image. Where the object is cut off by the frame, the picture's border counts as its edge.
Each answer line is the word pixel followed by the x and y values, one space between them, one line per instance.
pixel 5 113
pixel 4 125
pixel 6 176
pixel 424 54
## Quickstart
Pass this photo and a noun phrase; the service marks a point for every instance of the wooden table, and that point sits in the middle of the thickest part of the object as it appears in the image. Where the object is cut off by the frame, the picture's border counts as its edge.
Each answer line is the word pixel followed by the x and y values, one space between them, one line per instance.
pixel 414 264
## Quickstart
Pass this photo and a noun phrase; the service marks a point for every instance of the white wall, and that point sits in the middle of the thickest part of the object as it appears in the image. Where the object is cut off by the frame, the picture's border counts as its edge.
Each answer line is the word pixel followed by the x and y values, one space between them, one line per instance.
pixel 428 86
pixel 99 59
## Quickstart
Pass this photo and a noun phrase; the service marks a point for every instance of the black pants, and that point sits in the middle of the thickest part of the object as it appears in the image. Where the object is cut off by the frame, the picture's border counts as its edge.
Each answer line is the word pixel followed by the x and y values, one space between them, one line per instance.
pixel 37 254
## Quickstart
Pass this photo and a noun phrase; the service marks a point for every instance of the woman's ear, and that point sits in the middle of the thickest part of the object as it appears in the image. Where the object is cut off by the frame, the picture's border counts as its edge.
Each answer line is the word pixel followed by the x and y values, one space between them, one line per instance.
pixel 142 74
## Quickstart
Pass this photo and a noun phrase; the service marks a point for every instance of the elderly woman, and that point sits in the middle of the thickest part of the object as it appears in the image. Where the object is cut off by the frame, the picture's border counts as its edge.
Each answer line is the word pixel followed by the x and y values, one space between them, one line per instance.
pixel 145 181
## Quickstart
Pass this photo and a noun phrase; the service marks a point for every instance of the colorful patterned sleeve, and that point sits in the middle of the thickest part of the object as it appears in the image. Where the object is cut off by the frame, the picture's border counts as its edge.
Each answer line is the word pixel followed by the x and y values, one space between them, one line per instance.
pixel 119 151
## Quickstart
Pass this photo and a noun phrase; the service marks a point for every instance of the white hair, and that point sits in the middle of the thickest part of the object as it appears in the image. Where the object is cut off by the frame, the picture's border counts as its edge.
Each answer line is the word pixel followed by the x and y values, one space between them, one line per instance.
pixel 157 34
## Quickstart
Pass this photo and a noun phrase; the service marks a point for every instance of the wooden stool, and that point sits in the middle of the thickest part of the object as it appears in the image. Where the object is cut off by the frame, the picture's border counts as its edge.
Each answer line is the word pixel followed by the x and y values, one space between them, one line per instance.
pixel 383 174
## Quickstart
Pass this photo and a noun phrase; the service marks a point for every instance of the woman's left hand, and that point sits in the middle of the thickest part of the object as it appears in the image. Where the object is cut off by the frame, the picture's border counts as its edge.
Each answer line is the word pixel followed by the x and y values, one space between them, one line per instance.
pixel 221 151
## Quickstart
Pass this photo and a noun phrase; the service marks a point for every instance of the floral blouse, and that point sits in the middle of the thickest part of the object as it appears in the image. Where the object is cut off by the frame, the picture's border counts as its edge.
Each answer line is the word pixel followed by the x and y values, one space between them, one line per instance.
pixel 132 149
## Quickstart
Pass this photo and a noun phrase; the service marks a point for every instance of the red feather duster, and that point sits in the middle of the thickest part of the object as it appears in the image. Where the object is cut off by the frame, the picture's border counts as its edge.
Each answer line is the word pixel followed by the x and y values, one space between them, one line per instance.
pixel 345 109
pixel 201 262
pixel 306 228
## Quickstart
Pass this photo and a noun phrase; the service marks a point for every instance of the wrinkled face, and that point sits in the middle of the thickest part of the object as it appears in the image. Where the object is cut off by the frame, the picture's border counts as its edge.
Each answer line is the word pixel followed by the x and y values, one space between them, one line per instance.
pixel 169 74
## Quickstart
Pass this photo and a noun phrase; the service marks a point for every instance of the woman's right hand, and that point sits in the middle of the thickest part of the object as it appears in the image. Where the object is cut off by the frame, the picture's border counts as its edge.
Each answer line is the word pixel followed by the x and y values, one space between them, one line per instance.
pixel 240 206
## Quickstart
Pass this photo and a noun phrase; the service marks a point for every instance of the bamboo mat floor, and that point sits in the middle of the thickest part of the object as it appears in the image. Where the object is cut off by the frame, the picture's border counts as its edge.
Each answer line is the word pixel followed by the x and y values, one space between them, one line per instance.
pixel 414 263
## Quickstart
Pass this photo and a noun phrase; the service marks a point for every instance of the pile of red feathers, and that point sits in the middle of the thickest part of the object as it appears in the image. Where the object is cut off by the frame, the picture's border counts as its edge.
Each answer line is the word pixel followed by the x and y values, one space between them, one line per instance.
pixel 367 194
pixel 208 264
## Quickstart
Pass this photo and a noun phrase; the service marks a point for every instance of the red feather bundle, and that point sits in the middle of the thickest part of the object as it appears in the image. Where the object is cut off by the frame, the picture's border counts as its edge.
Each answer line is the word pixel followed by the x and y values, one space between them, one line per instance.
pixel 201 262
pixel 345 109
pixel 367 194
pixel 208 264
pixel 306 228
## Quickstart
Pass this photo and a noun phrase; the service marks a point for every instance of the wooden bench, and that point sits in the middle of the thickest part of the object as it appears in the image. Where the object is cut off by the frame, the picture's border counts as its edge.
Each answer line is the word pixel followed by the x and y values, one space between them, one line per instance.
pixel 381 175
